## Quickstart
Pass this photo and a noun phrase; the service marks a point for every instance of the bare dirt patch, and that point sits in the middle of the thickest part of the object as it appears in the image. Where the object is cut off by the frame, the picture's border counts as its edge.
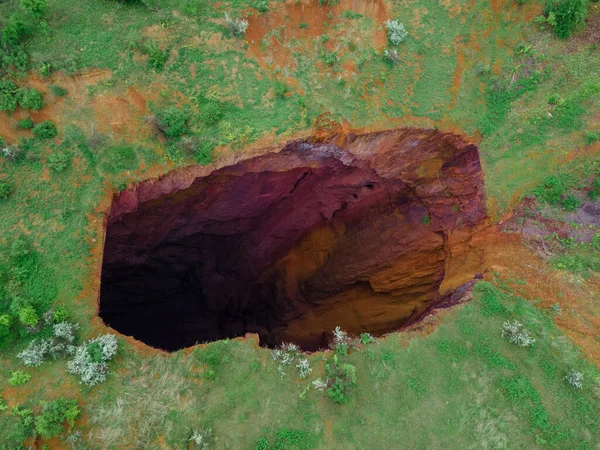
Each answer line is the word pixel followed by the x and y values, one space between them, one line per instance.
pixel 270 35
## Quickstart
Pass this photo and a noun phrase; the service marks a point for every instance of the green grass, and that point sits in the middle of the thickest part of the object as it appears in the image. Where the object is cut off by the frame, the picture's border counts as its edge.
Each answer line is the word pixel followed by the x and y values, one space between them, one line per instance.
pixel 462 386
pixel 477 388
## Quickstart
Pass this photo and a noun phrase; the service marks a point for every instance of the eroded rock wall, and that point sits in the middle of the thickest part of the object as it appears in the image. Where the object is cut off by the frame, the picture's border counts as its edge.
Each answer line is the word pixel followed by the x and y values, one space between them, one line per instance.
pixel 354 232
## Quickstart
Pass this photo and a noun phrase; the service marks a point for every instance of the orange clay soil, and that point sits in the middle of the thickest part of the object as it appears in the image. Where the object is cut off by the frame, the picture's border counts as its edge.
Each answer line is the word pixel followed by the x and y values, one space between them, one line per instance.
pixel 122 116
pixel 303 22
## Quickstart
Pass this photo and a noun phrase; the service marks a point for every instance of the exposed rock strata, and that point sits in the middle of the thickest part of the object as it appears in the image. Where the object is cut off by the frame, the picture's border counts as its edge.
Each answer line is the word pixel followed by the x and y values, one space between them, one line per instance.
pixel 355 232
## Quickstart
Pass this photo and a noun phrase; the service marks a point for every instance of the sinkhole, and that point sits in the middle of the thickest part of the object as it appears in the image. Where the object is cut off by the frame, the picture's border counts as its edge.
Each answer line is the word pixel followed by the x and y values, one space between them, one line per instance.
pixel 354 232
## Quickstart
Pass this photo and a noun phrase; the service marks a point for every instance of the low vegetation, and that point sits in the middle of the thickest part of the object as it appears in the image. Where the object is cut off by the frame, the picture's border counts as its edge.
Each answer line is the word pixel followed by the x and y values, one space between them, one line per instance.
pixel 160 85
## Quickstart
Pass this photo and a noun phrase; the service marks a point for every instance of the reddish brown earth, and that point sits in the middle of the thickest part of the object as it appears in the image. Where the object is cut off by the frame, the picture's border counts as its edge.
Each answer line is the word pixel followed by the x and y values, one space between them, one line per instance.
pixel 357 231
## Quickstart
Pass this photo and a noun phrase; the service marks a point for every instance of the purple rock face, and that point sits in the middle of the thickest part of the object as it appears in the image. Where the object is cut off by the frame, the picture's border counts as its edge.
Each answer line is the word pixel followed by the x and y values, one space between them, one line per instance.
pixel 287 244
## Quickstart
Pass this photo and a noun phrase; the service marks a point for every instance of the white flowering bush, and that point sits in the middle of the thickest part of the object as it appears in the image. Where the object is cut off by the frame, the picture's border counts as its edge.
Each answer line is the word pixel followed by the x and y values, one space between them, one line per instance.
pixel 35 353
pixel 319 384
pixel 391 55
pixel 340 337
pixel 90 360
pixel 516 334
pixel 575 379
pixel 304 368
pixel 555 309
pixel 287 355
pixel 65 331
pixel 202 438
pixel 38 350
pixel 237 27
pixel 395 30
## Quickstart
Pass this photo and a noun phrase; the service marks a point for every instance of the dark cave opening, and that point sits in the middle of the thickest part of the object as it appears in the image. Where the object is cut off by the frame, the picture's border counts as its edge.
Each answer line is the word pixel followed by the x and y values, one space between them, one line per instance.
pixel 287 245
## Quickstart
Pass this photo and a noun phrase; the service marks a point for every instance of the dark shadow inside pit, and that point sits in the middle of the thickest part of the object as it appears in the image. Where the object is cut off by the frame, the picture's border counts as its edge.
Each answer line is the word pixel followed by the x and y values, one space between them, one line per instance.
pixel 287 245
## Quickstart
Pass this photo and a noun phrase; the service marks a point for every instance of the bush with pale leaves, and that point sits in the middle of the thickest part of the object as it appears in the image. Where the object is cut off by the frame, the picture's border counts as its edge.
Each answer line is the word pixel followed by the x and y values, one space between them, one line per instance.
pixel 516 334
pixel 396 31
pixel 575 379
pixel 237 27
pixel 90 360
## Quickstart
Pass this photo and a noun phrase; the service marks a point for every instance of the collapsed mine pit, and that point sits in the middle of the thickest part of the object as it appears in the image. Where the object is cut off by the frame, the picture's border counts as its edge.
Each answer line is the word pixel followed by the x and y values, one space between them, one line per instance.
pixel 353 232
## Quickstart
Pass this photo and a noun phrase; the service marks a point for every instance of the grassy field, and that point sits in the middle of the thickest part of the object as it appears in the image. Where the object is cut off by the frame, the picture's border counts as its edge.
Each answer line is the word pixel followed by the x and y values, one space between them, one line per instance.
pixel 483 69
pixel 455 384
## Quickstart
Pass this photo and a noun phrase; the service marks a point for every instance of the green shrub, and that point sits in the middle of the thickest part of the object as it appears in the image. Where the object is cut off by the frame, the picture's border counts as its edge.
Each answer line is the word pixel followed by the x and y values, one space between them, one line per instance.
pixel 569 15
pixel 29 316
pixel 552 190
pixel 59 91
pixel 330 58
pixel 26 124
pixel 591 137
pixel 204 152
pixel 45 69
pixel 262 6
pixel 580 263
pixel 348 14
pixel 341 379
pixel 482 69
pixel 50 423
pixel 555 99
pixel 5 330
pixel 90 360
pixel 211 113
pixel 18 378
pixel 118 159
pixel 94 350
pixel 157 59
pixel 5 320
pixel 570 203
pixel 280 89
pixel 8 96
pixel 19 249
pixel 596 242
pixel 29 98
pixel 173 121
pixel 59 314
pixel 24 427
pixel 59 160
pixel 45 130
pixel 5 190
pixel 38 7
pixel 366 338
